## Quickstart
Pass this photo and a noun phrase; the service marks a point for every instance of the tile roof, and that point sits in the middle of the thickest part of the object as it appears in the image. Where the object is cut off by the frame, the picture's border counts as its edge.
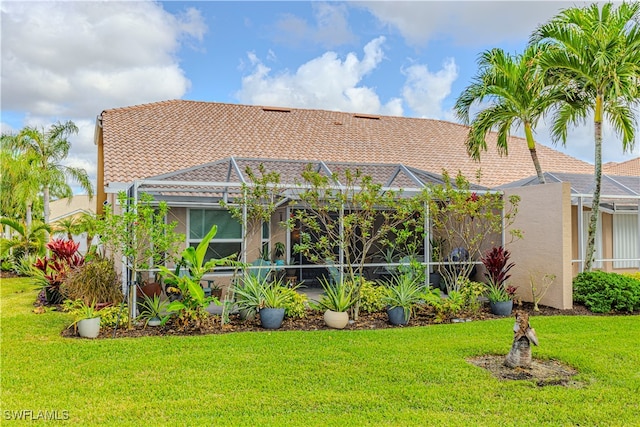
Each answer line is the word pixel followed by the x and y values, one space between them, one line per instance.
pixel 628 168
pixel 153 139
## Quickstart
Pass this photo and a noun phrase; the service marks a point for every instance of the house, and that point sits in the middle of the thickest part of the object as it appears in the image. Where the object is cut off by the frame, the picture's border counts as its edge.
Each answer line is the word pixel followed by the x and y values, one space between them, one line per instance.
pixel 188 153
pixel 72 208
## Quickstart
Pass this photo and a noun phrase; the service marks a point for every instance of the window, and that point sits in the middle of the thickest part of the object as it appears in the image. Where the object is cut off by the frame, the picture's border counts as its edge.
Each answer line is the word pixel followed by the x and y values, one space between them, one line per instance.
pixel 228 239
pixel 625 240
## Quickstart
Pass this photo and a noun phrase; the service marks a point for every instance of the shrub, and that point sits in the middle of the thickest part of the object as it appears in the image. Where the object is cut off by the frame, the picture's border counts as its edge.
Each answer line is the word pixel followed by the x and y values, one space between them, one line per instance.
pixel 296 304
pixel 372 297
pixel 96 281
pixel 471 292
pixel 112 315
pixel 603 292
pixel 64 257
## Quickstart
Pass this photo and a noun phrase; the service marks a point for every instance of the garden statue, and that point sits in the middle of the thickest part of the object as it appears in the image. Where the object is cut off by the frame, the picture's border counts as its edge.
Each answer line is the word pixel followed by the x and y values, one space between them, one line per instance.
pixel 524 335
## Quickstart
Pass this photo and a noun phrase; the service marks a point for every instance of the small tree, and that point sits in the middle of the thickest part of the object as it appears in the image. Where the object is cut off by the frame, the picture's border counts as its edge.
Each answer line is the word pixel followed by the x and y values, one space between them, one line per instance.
pixel 341 224
pixel 140 234
pixel 258 200
pixel 466 222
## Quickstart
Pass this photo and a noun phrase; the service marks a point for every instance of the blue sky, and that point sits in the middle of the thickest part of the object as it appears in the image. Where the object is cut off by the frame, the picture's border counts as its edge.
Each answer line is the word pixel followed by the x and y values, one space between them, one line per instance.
pixel 71 60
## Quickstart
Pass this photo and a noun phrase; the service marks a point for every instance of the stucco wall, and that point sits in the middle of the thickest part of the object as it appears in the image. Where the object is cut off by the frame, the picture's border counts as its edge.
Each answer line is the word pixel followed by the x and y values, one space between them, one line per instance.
pixel 544 217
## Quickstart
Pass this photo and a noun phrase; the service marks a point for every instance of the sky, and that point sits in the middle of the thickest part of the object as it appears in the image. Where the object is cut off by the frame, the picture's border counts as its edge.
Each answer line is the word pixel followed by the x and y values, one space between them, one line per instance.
pixel 70 60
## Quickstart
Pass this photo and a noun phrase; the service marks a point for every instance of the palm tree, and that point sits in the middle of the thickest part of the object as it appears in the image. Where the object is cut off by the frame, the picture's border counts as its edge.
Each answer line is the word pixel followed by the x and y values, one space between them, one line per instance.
pixel 594 54
pixel 518 96
pixel 68 226
pixel 19 188
pixel 49 148
pixel 26 239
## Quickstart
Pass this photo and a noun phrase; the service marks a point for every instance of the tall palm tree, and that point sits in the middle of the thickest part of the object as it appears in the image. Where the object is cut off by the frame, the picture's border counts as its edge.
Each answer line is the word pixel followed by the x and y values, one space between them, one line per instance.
pixel 19 182
pixel 594 54
pixel 517 95
pixel 49 148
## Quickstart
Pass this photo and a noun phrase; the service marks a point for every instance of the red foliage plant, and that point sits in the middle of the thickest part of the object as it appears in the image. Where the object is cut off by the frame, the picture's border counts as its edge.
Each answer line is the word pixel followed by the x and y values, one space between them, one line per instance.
pixel 64 257
pixel 496 261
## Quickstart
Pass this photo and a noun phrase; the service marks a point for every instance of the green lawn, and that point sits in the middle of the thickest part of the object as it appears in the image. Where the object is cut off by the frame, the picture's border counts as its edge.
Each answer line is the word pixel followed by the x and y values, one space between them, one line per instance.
pixel 410 376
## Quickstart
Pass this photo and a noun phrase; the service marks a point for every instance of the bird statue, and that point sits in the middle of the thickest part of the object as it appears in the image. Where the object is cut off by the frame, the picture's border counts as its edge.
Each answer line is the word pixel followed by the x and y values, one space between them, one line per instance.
pixel 524 335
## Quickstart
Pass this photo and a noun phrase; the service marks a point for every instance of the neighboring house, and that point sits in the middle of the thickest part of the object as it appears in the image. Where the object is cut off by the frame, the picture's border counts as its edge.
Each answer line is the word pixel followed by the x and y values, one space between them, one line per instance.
pixel 628 168
pixel 195 147
pixel 69 208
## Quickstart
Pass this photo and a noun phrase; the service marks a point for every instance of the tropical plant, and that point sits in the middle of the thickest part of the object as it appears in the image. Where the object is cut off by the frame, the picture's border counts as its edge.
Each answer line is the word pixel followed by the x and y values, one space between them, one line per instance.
pixel 141 234
pixel 372 297
pixel 467 221
pixel 518 96
pixel 337 296
pixel 497 293
pixel 342 224
pixel 49 148
pixel 19 182
pixel 190 310
pixel 593 53
pixel 444 307
pixel 260 196
pixel 95 280
pixel 296 303
pixel 112 316
pixel 404 290
pixel 67 226
pixel 497 265
pixel 81 311
pixel 249 294
pixel 26 239
pixel 273 295
pixel 153 308
pixel 55 268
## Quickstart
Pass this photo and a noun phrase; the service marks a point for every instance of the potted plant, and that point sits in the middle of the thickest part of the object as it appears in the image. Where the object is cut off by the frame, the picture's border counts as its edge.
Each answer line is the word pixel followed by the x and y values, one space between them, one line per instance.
pixel 272 304
pixel 497 265
pixel 404 292
pixel 500 301
pixel 336 300
pixel 249 296
pixel 86 319
pixel 153 310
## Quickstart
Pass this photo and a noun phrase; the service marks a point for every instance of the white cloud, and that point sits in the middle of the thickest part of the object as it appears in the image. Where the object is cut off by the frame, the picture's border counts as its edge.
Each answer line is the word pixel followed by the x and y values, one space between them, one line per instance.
pixel 70 60
pixel 425 91
pixel 324 82
pixel 464 22
pixel 330 29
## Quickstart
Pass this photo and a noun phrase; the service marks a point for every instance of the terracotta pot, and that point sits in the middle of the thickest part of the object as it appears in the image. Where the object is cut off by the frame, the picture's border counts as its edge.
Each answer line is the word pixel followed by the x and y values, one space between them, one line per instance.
pixel 336 319
pixel 149 289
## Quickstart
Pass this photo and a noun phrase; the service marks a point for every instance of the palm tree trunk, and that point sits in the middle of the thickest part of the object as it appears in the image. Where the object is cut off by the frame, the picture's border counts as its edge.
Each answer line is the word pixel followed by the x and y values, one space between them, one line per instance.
pixel 45 202
pixel 595 205
pixel 531 143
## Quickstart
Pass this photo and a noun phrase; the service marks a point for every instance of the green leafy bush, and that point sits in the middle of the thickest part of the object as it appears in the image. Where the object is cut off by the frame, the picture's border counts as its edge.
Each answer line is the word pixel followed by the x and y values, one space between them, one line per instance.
pixel 603 292
pixel 109 316
pixel 296 304
pixel 372 297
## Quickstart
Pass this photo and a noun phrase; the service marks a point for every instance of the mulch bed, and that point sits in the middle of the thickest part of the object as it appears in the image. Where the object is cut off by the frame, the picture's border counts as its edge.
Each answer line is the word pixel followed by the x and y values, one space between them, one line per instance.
pixel 314 321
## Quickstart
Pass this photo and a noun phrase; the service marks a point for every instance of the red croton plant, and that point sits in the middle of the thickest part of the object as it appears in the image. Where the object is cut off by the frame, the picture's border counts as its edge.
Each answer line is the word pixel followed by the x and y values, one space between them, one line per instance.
pixel 64 257
pixel 496 262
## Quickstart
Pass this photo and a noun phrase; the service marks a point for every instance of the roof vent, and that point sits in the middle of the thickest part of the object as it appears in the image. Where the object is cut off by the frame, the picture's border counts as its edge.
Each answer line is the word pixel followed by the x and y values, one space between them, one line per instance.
pixel 366 116
pixel 277 109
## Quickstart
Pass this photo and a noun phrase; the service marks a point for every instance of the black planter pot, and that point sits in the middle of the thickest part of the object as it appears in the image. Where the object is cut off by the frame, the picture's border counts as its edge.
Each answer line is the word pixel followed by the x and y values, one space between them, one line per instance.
pixel 501 308
pixel 397 316
pixel 271 318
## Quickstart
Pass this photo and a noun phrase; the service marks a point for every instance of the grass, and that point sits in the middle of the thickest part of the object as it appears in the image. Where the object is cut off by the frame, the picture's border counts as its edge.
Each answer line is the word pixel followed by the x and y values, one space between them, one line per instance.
pixel 401 376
